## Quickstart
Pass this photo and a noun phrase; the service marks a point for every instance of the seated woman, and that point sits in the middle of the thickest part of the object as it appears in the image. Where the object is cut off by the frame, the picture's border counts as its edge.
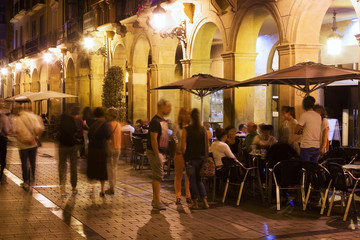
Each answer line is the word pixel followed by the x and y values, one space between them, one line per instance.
pixel 220 149
pixel 265 140
pixel 233 142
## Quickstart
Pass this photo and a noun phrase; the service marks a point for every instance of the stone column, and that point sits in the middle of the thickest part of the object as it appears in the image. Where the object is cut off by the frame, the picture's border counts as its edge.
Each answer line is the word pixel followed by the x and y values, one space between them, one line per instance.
pixel 289 55
pixel 358 38
pixel 185 97
pixel 162 74
pixel 200 66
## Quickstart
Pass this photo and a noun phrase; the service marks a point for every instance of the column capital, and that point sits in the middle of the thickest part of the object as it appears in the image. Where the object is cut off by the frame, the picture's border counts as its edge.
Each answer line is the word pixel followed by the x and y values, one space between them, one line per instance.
pixel 200 61
pixel 292 48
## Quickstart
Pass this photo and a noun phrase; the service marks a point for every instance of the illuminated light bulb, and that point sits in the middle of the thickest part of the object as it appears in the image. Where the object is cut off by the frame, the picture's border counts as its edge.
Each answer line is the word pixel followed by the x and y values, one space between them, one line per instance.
pixel 4 71
pixel 48 57
pixel 89 43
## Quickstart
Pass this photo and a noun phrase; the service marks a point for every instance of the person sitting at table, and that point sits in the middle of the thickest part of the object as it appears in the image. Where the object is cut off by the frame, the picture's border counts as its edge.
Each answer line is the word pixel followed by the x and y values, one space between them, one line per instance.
pixel 128 128
pixel 265 139
pixel 251 127
pixel 209 130
pixel 232 140
pixel 220 149
pixel 242 131
pixel 287 133
pixel 138 126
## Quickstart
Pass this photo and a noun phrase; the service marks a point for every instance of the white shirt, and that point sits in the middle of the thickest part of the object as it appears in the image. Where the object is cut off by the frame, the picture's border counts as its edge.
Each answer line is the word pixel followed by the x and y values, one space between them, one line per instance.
pixel 219 149
pixel 26 126
pixel 311 123
pixel 128 128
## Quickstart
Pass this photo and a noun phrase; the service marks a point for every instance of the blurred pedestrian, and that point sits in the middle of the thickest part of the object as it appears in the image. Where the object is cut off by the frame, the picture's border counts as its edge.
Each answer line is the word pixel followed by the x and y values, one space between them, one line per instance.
pixel 69 134
pixel 114 148
pixel 183 122
pixel 324 144
pixel 88 119
pixel 5 129
pixel 27 128
pixel 157 144
pixel 99 134
pixel 194 145
pixel 287 133
pixel 233 141
pixel 309 126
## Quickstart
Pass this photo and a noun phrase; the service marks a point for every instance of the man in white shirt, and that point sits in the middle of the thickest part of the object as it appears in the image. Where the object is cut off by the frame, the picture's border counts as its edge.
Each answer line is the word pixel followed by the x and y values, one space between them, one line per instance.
pixel 128 127
pixel 309 125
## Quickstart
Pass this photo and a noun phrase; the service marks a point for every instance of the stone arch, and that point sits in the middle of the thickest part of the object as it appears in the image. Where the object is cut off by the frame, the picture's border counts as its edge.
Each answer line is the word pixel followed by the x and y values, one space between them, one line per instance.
pixel 17 83
pixel 119 56
pixel 84 80
pixel 251 57
pixel 54 81
pixel 139 82
pixel 207 47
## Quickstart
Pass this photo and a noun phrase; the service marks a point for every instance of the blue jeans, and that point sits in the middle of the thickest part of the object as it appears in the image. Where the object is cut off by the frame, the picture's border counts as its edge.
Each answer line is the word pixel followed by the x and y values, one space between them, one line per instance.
pixel 28 158
pixel 196 185
pixel 309 154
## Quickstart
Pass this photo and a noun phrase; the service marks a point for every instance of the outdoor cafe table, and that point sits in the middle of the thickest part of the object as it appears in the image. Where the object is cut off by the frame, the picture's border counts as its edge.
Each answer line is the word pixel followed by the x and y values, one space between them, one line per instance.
pixel 257 156
pixel 353 168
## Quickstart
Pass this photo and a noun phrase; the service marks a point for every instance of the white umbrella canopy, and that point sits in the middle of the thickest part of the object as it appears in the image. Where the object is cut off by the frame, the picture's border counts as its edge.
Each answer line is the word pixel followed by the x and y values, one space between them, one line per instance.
pixel 38 96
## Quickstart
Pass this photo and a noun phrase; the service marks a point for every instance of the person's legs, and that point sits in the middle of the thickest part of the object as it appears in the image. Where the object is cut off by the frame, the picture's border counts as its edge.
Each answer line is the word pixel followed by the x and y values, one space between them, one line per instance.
pixel 3 151
pixel 25 165
pixel 73 166
pixel 187 186
pixel 32 159
pixel 179 169
pixel 315 152
pixel 305 154
pixel 62 166
pixel 199 182
pixel 112 168
pixel 157 175
pixel 191 172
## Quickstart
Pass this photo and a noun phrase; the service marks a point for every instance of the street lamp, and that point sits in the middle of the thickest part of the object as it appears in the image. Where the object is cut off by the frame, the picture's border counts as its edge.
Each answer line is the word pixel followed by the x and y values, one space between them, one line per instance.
pixel 48 57
pixel 4 71
pixel 333 43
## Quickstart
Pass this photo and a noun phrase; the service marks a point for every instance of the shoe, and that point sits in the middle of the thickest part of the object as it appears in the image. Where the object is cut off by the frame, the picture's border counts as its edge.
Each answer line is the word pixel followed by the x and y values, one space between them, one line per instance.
pixel 194 205
pixel 102 194
pixel 153 203
pixel 189 200
pixel 109 191
pixel 206 205
pixel 74 190
pixel 159 206
pixel 178 201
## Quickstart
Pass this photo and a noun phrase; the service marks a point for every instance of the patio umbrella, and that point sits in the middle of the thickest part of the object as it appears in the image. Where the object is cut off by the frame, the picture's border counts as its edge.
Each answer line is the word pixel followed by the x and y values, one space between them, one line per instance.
pixel 38 96
pixel 306 77
pixel 23 97
pixel 201 85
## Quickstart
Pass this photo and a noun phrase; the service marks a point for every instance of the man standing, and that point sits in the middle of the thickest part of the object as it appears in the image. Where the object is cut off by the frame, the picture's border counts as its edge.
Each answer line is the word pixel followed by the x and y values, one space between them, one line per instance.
pixel 5 128
pixel 310 126
pixel 158 140
pixel 69 133
pixel 27 128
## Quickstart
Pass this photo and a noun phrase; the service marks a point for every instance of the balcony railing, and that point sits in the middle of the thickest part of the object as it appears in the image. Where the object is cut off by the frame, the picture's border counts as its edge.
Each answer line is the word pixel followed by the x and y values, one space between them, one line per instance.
pixel 37 4
pixel 17 54
pixel 32 47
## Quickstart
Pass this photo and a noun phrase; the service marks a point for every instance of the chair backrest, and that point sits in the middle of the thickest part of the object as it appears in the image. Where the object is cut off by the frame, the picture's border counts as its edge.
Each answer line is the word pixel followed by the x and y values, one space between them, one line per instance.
pixel 171 148
pixel 279 152
pixel 316 174
pixel 138 145
pixel 337 175
pixel 340 161
pixel 125 140
pixel 335 153
pixel 232 170
pixel 288 172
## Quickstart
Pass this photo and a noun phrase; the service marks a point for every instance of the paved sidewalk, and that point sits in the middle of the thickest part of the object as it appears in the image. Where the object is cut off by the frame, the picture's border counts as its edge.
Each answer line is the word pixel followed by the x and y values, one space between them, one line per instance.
pixel 129 215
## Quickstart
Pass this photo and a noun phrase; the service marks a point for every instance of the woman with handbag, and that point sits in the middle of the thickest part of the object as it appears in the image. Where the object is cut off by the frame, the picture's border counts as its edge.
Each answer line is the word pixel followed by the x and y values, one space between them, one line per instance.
pixel 99 134
pixel 194 145
pixel 183 122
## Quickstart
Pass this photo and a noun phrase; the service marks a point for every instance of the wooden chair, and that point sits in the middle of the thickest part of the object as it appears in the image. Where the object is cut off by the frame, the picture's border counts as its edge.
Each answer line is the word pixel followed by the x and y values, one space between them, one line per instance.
pixel 126 144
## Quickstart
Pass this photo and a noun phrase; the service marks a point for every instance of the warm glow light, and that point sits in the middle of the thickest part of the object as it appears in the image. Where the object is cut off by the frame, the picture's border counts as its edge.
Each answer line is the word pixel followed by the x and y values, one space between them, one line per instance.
pixel 127 77
pixel 48 57
pixel 334 46
pixel 89 43
pixel 4 71
pixel 18 66
pixel 158 19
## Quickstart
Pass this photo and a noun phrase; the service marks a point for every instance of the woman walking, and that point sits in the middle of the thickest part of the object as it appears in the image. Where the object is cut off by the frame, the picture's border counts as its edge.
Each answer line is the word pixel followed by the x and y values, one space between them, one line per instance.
pixel 183 122
pixel 194 145
pixel 99 134
pixel 114 148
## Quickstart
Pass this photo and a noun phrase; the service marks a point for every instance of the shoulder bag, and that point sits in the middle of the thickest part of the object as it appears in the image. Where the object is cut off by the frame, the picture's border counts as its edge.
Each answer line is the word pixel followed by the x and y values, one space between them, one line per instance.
pixel 207 168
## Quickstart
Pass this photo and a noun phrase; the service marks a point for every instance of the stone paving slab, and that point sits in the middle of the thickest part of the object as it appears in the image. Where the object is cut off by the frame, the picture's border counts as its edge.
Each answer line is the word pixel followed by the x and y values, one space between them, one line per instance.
pixel 128 214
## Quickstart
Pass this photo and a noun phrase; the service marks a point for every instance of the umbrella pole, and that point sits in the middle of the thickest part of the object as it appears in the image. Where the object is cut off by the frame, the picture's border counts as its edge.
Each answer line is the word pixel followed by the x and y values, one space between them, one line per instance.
pixel 202 110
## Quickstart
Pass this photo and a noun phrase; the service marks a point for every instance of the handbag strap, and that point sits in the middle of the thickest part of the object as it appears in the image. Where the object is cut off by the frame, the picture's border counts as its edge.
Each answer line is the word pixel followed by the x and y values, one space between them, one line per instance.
pixel 206 143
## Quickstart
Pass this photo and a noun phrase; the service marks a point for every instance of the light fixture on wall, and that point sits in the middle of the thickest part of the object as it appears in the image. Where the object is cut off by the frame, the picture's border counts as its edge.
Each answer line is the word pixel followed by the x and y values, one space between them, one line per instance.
pixel 334 43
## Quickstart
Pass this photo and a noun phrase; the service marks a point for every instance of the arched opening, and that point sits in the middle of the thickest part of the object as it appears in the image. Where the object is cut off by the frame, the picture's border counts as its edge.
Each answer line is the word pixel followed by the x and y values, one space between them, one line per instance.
pixel 256 54
pixel 206 58
pixel 35 83
pixel 84 81
pixel 138 92
pixel 341 98
pixel 17 83
pixel 54 82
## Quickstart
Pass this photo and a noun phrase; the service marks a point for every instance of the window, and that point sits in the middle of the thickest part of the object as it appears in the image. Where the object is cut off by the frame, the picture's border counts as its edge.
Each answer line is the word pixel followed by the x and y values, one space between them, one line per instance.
pixel 33 29
pixel 21 35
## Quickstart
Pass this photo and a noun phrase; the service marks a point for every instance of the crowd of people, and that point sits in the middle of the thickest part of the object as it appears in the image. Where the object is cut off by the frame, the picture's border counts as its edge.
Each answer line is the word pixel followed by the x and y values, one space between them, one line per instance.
pixel 98 134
